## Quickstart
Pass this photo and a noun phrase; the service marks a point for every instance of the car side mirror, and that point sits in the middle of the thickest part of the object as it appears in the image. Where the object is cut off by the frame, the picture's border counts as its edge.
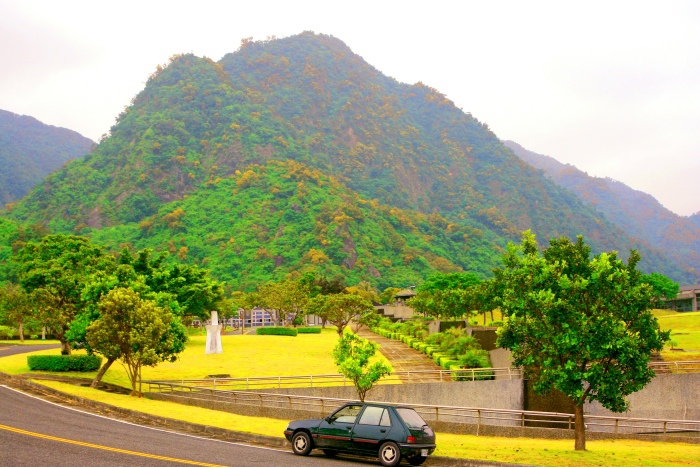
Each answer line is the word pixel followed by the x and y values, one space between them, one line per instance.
pixel 329 419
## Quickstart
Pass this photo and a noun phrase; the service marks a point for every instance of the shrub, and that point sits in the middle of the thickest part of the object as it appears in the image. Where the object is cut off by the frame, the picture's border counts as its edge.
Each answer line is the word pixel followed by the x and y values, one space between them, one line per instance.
pixel 276 331
pixel 309 330
pixel 497 323
pixel 7 332
pixel 80 363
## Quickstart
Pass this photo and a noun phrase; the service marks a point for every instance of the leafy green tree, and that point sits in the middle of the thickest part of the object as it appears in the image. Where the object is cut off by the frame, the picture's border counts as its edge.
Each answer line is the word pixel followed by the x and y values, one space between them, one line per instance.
pixel 448 281
pixel 662 285
pixel 15 306
pixel 56 270
pixel 340 309
pixel 352 355
pixel 285 301
pixel 387 295
pixel 135 331
pixel 576 324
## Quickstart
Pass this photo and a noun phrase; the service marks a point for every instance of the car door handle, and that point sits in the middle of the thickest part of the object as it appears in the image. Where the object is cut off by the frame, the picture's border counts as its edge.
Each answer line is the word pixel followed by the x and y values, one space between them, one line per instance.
pixel 382 431
pixel 348 428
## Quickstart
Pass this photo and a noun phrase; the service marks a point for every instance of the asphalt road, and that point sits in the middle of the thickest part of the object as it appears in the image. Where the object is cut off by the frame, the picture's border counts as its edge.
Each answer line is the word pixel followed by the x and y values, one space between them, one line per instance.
pixel 11 349
pixel 36 432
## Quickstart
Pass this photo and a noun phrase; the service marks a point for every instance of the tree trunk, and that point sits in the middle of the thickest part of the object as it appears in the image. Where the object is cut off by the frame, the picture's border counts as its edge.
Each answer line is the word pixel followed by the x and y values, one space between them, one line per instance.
pixel 65 347
pixel 21 332
pixel 102 372
pixel 579 429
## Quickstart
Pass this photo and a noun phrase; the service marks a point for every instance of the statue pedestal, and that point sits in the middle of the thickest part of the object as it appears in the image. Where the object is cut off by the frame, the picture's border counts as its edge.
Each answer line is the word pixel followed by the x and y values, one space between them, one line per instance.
pixel 213 335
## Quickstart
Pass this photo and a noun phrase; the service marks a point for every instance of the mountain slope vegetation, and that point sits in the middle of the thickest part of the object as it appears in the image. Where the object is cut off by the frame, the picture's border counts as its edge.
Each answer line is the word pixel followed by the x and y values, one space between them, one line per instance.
pixel 637 213
pixel 201 125
pixel 30 150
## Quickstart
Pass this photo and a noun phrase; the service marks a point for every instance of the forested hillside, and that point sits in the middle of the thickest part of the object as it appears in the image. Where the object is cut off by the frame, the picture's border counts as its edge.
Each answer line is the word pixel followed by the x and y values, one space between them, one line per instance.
pixel 168 175
pixel 30 150
pixel 635 212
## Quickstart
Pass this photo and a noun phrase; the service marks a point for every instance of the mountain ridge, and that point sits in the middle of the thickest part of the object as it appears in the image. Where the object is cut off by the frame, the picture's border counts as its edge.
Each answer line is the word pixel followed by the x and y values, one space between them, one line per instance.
pixel 309 99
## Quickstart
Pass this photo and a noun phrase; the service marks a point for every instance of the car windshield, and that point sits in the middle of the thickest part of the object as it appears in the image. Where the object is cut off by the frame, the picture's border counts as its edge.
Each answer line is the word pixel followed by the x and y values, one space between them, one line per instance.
pixel 411 418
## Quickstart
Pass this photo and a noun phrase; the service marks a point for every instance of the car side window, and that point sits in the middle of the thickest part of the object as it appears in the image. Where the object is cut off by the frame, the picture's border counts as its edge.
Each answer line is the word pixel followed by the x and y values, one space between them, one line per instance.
pixel 347 414
pixel 372 416
pixel 386 419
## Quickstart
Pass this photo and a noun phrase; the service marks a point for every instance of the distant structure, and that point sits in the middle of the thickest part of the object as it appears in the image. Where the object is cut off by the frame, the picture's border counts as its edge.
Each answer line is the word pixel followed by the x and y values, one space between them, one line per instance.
pixel 398 310
pixel 686 300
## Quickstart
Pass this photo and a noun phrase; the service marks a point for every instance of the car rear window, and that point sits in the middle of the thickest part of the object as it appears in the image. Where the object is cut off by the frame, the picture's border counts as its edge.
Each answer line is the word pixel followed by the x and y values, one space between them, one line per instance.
pixel 411 418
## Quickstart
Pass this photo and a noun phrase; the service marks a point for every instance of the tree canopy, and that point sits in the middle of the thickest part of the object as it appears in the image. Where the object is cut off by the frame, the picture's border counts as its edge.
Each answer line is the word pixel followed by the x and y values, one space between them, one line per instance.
pixel 579 325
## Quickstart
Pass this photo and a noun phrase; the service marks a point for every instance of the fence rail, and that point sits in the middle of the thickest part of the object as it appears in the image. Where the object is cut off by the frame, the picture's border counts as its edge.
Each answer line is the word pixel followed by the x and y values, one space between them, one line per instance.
pixel 689 366
pixel 471 415
pixel 398 377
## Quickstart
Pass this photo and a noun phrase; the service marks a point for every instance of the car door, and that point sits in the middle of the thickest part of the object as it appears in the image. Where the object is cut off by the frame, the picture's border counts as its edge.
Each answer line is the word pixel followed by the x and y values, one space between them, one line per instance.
pixel 371 428
pixel 335 431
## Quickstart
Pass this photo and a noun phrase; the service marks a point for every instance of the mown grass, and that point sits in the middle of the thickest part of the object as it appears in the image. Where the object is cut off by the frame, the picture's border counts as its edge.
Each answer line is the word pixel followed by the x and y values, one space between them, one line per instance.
pixel 243 356
pixel 685 328
pixel 554 453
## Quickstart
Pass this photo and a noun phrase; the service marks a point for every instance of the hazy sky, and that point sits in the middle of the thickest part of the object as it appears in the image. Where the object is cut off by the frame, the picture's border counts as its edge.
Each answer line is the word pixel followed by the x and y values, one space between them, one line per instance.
pixel 610 87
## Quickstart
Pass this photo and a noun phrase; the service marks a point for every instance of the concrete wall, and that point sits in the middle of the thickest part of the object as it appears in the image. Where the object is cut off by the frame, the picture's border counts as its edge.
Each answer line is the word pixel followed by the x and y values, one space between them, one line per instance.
pixel 502 394
pixel 669 396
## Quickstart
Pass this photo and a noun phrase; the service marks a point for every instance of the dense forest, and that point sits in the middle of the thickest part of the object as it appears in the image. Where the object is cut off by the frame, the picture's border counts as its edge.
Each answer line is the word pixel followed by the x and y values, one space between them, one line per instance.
pixel 295 153
pixel 635 212
pixel 30 150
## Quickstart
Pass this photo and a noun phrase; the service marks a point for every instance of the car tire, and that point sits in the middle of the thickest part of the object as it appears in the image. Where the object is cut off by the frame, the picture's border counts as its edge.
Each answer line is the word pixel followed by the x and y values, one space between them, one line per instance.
pixel 301 443
pixel 389 454
pixel 330 452
pixel 416 460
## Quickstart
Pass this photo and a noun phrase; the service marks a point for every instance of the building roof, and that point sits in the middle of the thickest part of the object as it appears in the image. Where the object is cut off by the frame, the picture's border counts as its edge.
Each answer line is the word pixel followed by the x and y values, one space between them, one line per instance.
pixel 405 293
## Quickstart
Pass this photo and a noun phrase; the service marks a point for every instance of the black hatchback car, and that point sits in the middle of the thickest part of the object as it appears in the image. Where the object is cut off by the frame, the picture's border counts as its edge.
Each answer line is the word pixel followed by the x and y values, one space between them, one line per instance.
pixel 389 432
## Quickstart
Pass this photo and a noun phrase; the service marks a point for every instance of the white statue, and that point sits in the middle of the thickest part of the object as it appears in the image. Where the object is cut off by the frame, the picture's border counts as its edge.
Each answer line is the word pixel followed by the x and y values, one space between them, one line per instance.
pixel 213 335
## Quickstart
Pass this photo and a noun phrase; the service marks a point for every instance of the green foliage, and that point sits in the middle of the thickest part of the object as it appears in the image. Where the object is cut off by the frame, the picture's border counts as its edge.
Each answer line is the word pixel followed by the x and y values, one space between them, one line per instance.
pixel 340 309
pixel 55 271
pixel 580 325
pixel 662 285
pixel 135 331
pixel 309 330
pixel 7 331
pixel 277 331
pixel 82 363
pixel 352 355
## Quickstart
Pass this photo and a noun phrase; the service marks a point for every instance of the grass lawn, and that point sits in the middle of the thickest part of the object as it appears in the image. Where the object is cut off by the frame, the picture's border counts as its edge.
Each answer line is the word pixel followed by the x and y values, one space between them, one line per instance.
pixel 685 329
pixel 243 356
pixel 555 453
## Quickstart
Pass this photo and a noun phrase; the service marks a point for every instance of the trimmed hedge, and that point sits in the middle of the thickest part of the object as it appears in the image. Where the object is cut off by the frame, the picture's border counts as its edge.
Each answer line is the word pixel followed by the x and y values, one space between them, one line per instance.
pixel 309 330
pixel 276 331
pixel 82 363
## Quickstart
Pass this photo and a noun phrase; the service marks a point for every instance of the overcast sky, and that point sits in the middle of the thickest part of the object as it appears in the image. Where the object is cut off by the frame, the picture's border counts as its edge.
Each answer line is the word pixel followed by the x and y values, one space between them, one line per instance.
pixel 610 87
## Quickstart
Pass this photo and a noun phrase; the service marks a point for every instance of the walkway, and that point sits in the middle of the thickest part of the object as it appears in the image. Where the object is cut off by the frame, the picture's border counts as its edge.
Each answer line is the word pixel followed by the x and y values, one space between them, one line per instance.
pixel 404 358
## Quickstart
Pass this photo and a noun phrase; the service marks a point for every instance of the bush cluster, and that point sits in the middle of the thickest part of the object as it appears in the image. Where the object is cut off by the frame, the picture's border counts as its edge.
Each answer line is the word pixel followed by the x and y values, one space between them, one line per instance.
pixel 276 331
pixel 82 363
pixel 451 350
pixel 309 330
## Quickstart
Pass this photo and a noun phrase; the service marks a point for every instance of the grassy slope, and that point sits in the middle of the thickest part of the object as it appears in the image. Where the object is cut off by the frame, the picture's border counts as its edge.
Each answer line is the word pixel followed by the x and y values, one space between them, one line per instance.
pixel 685 330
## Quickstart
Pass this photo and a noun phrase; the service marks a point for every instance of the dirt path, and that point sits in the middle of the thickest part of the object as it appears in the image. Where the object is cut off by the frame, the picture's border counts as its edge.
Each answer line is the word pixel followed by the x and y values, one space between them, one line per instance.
pixel 404 358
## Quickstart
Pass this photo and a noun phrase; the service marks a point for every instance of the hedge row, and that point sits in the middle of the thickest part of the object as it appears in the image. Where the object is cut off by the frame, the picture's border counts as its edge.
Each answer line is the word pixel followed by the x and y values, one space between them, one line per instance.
pixel 276 331
pixel 309 330
pixel 446 362
pixel 80 363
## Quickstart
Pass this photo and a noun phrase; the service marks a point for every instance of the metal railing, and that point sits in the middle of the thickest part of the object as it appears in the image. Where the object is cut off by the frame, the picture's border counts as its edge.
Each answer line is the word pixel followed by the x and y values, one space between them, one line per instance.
pixel 311 381
pixel 690 366
pixel 438 413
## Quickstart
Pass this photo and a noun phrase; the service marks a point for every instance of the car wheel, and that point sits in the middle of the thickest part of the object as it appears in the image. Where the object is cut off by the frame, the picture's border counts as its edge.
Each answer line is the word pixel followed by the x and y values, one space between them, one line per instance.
pixel 330 452
pixel 416 460
pixel 389 454
pixel 301 443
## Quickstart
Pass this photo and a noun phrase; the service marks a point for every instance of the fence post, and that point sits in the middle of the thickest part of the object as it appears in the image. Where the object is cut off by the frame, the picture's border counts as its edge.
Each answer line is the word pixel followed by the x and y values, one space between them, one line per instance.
pixel 665 422
pixel 617 421
pixel 437 414
pixel 311 379
pixel 478 421
pixel 279 382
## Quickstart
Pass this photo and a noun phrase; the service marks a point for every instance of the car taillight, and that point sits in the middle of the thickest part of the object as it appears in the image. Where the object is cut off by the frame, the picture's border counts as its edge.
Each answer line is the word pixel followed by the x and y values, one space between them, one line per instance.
pixel 411 440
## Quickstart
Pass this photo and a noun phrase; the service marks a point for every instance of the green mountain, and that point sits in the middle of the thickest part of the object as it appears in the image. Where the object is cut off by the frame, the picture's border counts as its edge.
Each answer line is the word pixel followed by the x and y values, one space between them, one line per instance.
pixel 637 213
pixel 30 150
pixel 428 186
